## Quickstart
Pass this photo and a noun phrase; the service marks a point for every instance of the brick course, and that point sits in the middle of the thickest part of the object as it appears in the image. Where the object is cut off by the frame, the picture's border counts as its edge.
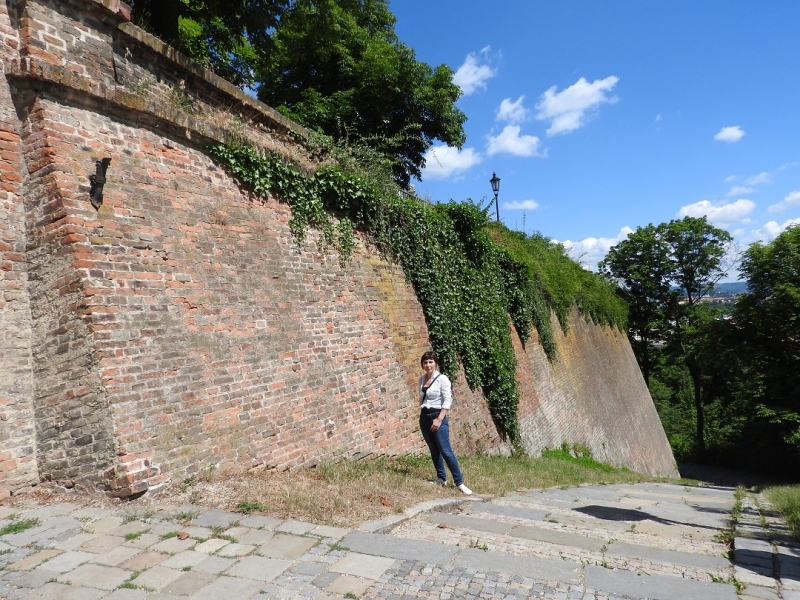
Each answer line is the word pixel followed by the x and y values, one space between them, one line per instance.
pixel 180 327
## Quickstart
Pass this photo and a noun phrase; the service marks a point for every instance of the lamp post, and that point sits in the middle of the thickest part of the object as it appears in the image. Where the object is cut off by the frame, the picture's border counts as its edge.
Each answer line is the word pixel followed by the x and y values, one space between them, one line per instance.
pixel 495 181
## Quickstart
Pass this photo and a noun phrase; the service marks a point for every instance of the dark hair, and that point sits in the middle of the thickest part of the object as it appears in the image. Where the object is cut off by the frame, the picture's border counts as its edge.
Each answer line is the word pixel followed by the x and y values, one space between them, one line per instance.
pixel 429 355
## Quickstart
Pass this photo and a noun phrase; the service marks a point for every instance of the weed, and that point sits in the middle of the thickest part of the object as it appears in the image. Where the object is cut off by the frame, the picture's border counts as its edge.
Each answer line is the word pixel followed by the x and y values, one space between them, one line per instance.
pixel 185 516
pixel 188 482
pixel 336 546
pixel 126 585
pixel 169 535
pixel 248 506
pixel 186 568
pixel 219 533
pixel 180 99
pixel 18 526
pixel 135 535
pixel 476 543
pixel 351 595
pixel 730 581
pixel 130 517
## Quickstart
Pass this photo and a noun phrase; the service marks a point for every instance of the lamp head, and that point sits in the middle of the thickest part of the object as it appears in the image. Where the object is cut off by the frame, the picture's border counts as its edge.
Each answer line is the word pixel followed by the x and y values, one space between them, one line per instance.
pixel 495 181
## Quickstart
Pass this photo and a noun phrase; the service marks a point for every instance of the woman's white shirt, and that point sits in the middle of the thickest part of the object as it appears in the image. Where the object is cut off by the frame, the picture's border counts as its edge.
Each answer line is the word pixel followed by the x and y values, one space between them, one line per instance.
pixel 440 393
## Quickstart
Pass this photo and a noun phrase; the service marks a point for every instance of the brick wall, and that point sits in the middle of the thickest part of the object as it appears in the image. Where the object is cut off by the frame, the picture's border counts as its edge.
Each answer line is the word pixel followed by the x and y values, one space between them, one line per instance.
pixel 592 394
pixel 180 327
pixel 17 439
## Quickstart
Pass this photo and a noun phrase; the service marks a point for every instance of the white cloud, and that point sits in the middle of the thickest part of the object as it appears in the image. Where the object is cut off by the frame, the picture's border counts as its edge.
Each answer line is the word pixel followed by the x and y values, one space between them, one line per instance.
pixel 792 199
pixel 509 141
pixel 731 178
pixel 659 118
pixel 569 109
pixel 769 231
pixel 761 178
pixel 590 251
pixel 730 135
pixel 472 75
pixel 442 162
pixel 738 190
pixel 521 205
pixel 513 112
pixel 719 215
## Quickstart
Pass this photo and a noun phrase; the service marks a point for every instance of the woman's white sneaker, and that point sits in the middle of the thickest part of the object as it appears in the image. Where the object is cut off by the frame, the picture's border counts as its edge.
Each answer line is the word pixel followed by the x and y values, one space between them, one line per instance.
pixel 465 490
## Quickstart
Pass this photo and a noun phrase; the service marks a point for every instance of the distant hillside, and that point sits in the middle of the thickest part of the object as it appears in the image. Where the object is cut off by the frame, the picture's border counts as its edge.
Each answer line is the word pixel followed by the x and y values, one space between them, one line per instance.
pixel 730 289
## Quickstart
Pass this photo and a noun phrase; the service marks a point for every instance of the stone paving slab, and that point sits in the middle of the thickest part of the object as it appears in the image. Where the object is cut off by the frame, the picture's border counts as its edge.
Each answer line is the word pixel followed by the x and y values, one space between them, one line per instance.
pixel 381 545
pixel 285 546
pixel 465 522
pixel 97 576
pixel 68 561
pixel 157 578
pixel 362 565
pixel 625 550
pixel 216 518
pixel 561 538
pixel 228 588
pixel 541 568
pixel 657 587
pixel 32 561
pixel 258 568
pixel 508 511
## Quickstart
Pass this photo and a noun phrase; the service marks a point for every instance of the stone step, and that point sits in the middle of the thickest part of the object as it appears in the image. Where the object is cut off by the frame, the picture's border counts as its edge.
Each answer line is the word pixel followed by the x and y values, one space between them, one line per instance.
pixel 655 587
pixel 377 544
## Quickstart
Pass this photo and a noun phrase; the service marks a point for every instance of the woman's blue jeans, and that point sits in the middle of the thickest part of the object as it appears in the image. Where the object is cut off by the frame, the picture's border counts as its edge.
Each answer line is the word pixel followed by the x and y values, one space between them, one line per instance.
pixel 439 445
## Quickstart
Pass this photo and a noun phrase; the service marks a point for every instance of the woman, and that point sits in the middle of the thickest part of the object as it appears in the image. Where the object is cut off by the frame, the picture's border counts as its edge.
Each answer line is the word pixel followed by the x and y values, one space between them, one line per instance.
pixel 436 397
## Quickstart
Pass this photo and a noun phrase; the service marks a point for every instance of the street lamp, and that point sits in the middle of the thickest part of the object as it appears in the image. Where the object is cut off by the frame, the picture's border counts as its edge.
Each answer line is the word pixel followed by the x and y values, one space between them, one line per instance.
pixel 495 181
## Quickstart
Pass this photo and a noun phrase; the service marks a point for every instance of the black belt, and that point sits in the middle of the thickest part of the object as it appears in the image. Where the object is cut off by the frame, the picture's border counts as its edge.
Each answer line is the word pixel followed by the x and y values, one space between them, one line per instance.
pixel 430 411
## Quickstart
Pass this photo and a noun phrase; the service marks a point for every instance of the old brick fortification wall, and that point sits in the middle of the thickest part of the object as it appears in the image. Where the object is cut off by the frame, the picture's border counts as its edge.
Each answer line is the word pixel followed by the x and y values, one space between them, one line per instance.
pixel 179 327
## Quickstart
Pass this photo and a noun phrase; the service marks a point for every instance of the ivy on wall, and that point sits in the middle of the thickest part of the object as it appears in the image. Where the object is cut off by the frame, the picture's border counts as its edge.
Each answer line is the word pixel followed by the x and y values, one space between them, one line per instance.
pixel 469 274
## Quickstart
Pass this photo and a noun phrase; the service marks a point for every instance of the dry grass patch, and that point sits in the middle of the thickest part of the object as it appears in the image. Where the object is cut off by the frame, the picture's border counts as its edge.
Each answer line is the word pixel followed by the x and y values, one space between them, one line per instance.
pixel 348 493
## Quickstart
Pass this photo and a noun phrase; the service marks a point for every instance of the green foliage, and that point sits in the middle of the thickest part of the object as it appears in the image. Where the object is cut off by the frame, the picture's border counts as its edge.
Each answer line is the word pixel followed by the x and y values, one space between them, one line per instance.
pixel 767 320
pixel 469 275
pixel 338 67
pixel 18 526
pixel 247 507
pixel 663 272
pixel 786 499
pixel 231 37
pixel 567 453
pixel 541 278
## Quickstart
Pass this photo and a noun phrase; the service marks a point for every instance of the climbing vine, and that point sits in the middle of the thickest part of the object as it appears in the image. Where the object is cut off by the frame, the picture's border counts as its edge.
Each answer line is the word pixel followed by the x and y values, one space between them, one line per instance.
pixel 469 274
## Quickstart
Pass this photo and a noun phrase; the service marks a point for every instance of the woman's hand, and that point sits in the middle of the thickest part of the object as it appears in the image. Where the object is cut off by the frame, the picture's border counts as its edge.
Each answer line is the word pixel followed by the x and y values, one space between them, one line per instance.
pixel 436 424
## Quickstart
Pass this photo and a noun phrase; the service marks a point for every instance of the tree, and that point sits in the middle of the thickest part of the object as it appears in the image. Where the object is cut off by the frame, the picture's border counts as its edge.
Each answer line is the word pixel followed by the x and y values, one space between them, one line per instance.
pixel 337 66
pixel 767 318
pixel 228 36
pixel 664 272
pixel 697 253
pixel 641 267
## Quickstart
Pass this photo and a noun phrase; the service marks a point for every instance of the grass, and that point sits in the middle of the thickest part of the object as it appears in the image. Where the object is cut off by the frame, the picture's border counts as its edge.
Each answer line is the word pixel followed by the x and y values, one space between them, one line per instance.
pixel 247 507
pixel 347 493
pixel 786 500
pixel 18 526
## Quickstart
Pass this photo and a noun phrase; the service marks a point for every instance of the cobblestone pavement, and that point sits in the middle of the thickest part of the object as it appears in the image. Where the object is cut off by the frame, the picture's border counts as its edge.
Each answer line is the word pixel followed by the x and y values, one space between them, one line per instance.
pixel 616 542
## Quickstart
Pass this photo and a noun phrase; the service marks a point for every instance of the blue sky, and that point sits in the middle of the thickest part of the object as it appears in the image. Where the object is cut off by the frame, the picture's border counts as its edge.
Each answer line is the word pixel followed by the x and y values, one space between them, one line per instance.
pixel 600 117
